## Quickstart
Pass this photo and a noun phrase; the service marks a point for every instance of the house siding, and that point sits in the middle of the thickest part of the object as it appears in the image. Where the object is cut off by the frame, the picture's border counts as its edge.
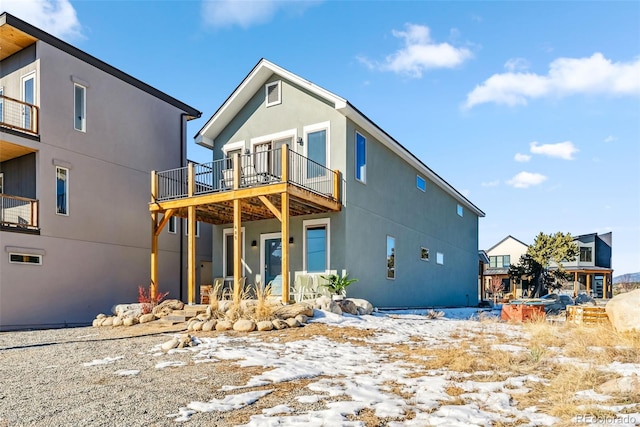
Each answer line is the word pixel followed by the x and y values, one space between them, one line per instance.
pixel 19 176
pixel 98 255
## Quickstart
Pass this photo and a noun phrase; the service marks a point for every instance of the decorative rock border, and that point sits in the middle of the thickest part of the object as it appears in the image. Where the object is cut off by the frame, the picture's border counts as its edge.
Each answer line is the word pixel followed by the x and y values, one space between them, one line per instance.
pixel 227 317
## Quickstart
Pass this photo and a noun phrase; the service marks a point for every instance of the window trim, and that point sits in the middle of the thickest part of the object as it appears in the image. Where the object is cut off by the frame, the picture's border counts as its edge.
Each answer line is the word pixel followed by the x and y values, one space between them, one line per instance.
pixel 37 256
pixel 83 121
pixel 440 258
pixel 315 223
pixel 363 178
pixel 422 252
pixel 225 233
pixel 277 83
pixel 186 227
pixel 233 146
pixel 395 256
pixel 289 133
pixel 172 221
pixel 66 191
pixel 317 127
pixel 424 183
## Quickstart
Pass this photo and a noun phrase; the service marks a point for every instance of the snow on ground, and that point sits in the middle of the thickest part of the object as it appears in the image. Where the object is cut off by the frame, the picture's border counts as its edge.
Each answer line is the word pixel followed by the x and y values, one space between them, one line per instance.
pixel 360 376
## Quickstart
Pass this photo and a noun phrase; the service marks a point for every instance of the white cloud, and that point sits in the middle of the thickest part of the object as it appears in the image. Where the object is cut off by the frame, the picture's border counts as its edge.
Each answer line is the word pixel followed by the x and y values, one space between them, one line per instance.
pixel 526 179
pixel 521 157
pixel 465 192
pixel 227 13
pixel 57 17
pixel 491 183
pixel 563 150
pixel 517 64
pixel 567 76
pixel 610 138
pixel 420 53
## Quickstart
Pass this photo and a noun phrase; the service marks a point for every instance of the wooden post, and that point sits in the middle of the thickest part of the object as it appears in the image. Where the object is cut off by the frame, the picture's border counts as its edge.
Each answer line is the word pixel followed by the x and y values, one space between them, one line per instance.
pixel 605 290
pixel 337 185
pixel 237 247
pixel 153 286
pixel 284 212
pixel 588 284
pixel 575 284
pixel 236 171
pixel 191 238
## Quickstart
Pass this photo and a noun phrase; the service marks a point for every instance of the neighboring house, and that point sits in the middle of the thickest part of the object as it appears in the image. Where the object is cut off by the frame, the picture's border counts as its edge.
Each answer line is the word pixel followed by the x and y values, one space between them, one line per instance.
pixel 302 182
pixel 504 253
pixel 78 139
pixel 589 273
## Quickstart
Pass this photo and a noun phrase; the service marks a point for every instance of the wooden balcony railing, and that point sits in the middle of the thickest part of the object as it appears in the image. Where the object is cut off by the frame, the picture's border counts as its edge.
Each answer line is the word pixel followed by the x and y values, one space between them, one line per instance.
pixel 18 212
pixel 257 169
pixel 19 115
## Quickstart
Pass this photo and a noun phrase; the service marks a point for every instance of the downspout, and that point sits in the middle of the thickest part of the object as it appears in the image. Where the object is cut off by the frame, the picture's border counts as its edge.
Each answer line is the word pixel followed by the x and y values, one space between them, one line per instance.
pixel 182 164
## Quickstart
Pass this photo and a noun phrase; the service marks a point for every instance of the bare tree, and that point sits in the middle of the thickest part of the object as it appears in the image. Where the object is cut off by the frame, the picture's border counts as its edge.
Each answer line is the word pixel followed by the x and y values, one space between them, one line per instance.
pixel 626 283
pixel 495 286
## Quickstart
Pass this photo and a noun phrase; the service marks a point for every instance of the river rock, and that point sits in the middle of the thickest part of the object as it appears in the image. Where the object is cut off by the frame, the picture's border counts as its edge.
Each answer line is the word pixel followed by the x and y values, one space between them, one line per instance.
pixel 172 343
pixel 302 318
pixel 292 322
pixel 279 324
pixel 209 325
pixel 145 318
pixel 129 321
pixel 244 325
pixel 107 321
pixel 117 321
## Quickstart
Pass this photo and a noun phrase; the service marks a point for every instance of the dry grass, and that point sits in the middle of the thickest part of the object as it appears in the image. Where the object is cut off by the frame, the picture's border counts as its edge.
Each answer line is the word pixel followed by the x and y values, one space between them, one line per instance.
pixel 264 308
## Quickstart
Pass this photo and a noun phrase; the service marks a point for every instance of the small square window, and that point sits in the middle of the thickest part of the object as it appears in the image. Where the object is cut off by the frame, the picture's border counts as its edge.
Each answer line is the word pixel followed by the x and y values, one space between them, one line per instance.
pixel 460 210
pixel 421 183
pixel 439 258
pixel 424 254
pixel 171 226
pixel 273 93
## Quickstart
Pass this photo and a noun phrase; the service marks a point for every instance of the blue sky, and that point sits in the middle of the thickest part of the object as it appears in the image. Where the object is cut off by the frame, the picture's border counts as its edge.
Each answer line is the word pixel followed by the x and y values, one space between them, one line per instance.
pixel 530 109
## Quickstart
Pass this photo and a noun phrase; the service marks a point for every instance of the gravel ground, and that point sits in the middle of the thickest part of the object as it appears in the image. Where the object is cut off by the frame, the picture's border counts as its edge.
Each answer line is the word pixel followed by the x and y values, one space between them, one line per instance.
pixel 44 382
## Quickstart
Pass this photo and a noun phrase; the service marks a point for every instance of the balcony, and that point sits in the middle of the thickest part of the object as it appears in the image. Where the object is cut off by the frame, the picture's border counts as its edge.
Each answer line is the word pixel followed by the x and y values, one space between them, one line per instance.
pixel 18 214
pixel 257 177
pixel 18 115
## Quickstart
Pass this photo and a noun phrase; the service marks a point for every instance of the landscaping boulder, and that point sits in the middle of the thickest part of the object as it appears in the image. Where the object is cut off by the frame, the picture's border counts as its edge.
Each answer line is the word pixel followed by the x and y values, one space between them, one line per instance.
pixel 279 324
pixel 292 322
pixel 288 311
pixel 129 321
pixel 302 318
pixel 130 310
pixel 244 325
pixel 147 318
pixel 172 343
pixel 224 325
pixel 622 311
pixel 364 307
pixel 165 308
pixel 117 321
pixel 108 321
pixel 265 325
pixel 209 325
pixel 626 385
pixel 348 306
pixel 325 303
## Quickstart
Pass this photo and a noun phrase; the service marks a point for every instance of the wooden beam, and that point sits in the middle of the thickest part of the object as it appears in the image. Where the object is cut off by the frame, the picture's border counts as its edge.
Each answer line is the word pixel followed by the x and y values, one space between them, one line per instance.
pixel 337 185
pixel 317 199
pixel 270 206
pixel 165 219
pixel 237 248
pixel 153 286
pixel 191 255
pixel 191 182
pixel 285 247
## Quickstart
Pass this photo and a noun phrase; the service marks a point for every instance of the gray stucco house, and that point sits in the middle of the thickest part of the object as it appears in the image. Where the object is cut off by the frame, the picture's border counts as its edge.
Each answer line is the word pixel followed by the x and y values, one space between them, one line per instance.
pixel 295 163
pixel 78 140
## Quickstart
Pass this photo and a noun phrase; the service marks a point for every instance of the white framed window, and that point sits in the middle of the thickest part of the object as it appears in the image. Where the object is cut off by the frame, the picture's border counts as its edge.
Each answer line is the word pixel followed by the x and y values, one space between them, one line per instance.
pixel 316 244
pixel 17 258
pixel 62 191
pixel 460 210
pixel 421 183
pixel 273 93
pixel 29 97
pixel 316 149
pixel 424 253
pixel 227 253
pixel 391 257
pixel 439 258
pixel 361 158
pixel 186 228
pixel 79 107
pixel 171 225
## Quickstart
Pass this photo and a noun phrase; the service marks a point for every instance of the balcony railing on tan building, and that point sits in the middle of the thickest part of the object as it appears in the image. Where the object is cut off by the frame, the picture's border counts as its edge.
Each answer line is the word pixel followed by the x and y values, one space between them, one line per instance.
pixel 18 212
pixel 273 183
pixel 19 115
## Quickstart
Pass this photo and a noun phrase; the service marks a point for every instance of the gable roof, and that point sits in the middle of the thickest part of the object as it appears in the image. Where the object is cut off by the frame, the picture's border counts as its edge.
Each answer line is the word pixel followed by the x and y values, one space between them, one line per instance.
pixel 17 34
pixel 504 240
pixel 259 76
